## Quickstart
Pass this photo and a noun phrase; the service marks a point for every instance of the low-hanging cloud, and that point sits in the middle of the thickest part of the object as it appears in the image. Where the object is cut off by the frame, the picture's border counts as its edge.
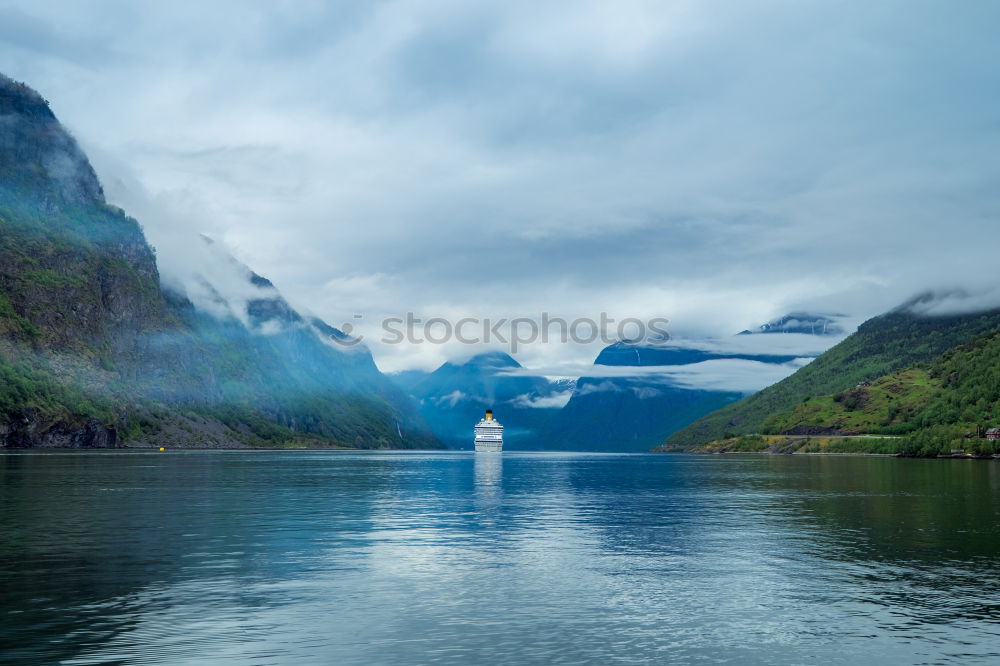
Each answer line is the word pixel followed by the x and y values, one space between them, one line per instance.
pixel 553 401
pixel 729 374
pixel 944 302
pixel 778 344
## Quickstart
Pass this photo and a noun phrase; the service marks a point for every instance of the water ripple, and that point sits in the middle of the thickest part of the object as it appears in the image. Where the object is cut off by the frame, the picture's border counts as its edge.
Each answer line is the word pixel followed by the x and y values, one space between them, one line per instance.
pixel 449 558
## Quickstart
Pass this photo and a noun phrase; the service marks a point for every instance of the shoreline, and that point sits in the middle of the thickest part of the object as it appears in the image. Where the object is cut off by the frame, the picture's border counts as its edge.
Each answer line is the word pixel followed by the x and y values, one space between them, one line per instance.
pixel 174 449
pixel 856 445
pixel 860 454
pixel 149 449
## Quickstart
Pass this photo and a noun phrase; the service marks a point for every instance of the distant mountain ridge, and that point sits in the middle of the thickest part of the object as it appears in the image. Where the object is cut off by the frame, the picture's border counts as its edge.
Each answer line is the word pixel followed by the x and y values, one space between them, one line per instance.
pixel 95 353
pixel 635 413
pixel 453 397
pixel 592 413
pixel 676 353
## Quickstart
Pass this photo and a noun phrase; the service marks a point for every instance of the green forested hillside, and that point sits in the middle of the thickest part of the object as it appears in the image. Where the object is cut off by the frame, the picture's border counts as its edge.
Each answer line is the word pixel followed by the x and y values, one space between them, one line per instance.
pixel 929 410
pixel 887 406
pixel 890 342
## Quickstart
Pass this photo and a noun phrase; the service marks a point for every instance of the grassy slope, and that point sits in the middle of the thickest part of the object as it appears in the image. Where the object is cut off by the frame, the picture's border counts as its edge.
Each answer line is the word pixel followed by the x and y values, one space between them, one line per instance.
pixel 785 444
pixel 885 407
pixel 880 346
pixel 928 410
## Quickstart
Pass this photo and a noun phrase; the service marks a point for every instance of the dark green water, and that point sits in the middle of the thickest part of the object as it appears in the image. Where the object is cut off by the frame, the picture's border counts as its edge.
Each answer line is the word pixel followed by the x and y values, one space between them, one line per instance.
pixel 392 558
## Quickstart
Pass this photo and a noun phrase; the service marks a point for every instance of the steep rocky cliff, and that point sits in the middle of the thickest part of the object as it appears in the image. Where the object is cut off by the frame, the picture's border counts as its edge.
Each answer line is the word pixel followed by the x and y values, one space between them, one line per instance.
pixel 75 273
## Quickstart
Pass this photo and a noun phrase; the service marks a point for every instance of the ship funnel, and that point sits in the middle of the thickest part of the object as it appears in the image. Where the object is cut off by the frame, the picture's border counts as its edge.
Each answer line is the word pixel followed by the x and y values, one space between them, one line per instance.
pixel 489 414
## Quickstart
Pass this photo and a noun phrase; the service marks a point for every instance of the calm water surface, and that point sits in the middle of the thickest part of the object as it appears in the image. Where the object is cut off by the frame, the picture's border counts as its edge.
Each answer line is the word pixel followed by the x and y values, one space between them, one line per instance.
pixel 453 558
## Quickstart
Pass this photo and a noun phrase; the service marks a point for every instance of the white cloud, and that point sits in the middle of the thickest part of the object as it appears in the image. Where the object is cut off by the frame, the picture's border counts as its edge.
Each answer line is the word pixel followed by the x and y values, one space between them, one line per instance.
pixel 556 400
pixel 732 374
pixel 599 387
pixel 771 344
pixel 452 399
pixel 945 302
pixel 739 375
pixel 646 392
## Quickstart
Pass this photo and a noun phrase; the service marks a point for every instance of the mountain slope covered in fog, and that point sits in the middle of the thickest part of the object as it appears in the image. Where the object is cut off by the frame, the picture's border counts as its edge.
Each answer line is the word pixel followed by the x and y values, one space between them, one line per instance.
pixel 453 398
pixel 93 352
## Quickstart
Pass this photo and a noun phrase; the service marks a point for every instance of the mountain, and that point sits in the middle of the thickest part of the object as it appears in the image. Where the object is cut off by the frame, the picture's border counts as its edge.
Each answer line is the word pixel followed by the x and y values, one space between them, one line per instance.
pixel 94 352
pixel 890 342
pixel 634 413
pixel 407 380
pixel 627 414
pixel 630 354
pixel 608 411
pixel 802 322
pixel 925 410
pixel 303 374
pixel 453 398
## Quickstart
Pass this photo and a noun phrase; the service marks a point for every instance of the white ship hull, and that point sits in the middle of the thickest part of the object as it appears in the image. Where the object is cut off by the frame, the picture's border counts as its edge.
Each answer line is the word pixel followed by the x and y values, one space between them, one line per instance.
pixel 489 446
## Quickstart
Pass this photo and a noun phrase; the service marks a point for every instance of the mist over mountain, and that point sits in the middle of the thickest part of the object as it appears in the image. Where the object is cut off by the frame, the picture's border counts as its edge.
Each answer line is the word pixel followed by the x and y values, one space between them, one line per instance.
pixel 802 322
pixel 97 348
pixel 94 352
pixel 39 160
pixel 928 409
pixel 453 398
pixel 893 341
pixel 265 265
pixel 633 395
pixel 633 413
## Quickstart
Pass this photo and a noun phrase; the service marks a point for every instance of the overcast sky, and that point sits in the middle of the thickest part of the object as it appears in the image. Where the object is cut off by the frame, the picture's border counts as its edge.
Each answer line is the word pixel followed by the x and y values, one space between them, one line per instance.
pixel 714 163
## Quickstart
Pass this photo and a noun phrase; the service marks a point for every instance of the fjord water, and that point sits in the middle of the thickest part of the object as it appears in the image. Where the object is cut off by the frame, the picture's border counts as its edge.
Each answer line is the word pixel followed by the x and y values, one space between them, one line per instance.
pixel 458 558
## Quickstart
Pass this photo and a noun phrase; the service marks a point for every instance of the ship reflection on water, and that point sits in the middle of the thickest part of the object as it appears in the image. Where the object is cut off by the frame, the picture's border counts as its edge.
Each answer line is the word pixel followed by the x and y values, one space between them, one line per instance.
pixel 489 478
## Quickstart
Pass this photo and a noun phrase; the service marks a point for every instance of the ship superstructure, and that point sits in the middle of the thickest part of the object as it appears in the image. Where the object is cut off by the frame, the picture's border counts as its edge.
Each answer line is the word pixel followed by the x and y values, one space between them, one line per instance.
pixel 489 434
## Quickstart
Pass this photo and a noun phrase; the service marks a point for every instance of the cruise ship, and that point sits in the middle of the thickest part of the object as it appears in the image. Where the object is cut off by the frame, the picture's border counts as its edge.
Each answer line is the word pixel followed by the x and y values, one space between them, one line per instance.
pixel 489 434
